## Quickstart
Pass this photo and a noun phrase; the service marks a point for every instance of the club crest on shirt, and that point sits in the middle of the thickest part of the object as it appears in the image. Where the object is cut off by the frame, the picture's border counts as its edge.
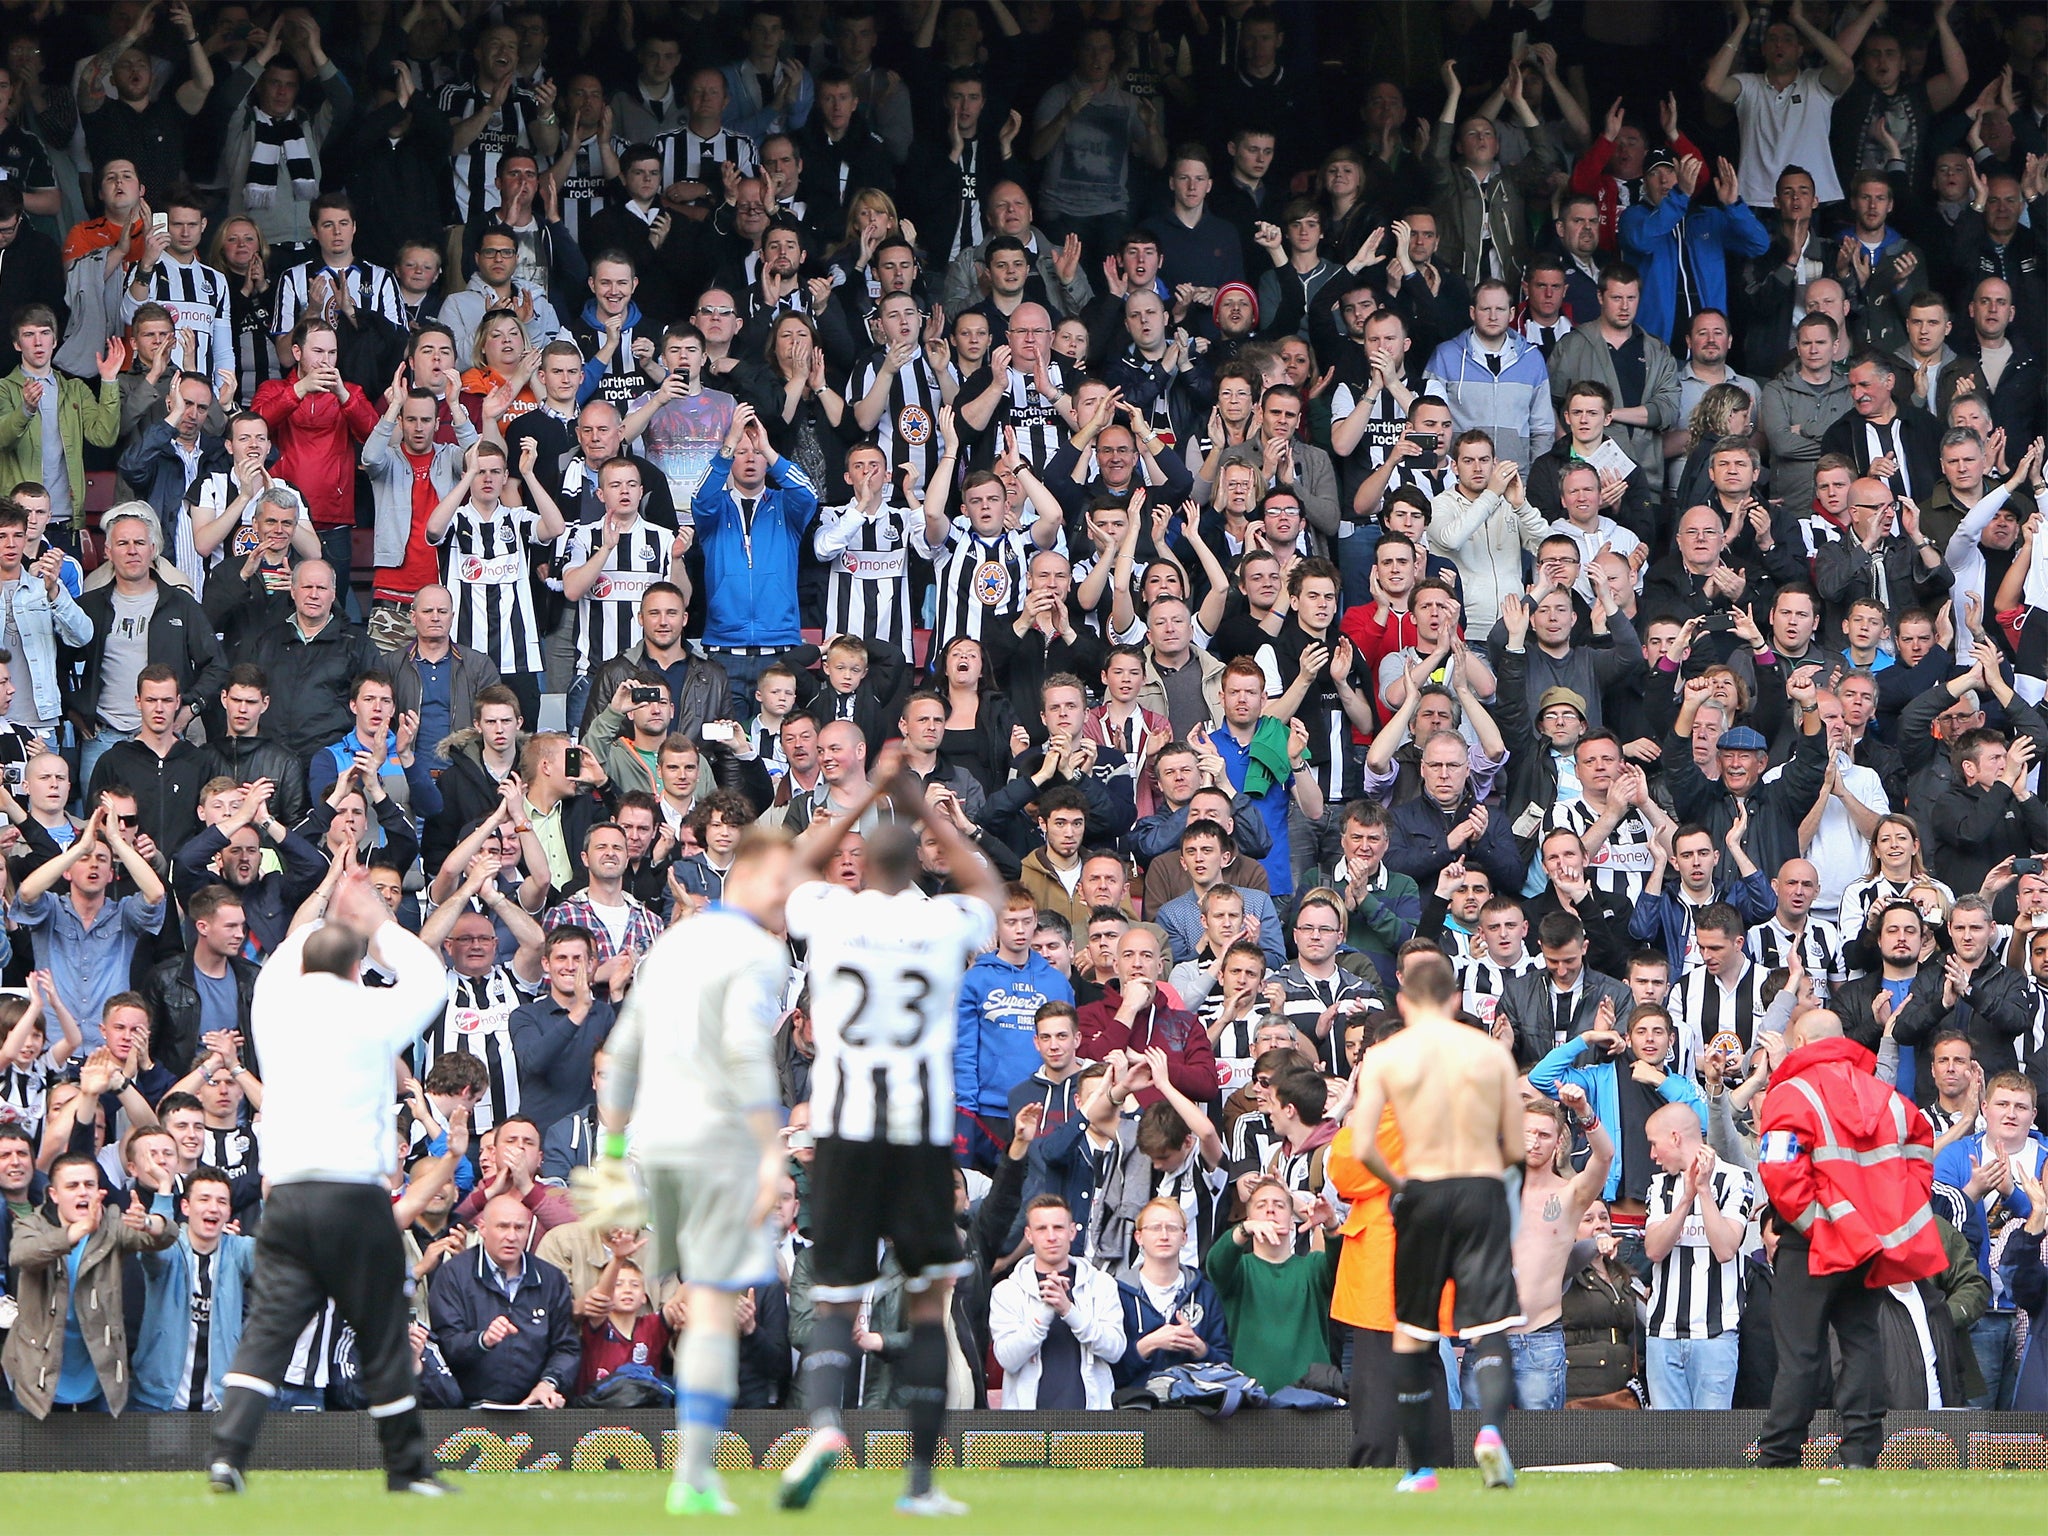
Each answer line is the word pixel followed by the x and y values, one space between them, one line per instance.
pixel 991 584
pixel 914 425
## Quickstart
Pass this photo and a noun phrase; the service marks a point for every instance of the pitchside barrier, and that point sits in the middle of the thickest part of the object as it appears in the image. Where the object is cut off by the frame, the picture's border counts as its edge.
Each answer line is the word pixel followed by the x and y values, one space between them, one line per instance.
pixel 585 1441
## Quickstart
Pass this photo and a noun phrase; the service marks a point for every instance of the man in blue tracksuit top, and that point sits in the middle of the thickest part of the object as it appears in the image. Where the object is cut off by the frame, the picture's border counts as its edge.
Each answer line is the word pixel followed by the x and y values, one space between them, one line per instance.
pixel 751 512
pixel 1684 251
pixel 1625 1080
pixel 994 1045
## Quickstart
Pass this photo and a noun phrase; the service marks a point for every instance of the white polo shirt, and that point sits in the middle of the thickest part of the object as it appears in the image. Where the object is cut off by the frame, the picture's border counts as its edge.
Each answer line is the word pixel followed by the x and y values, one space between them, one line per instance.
pixel 1781 128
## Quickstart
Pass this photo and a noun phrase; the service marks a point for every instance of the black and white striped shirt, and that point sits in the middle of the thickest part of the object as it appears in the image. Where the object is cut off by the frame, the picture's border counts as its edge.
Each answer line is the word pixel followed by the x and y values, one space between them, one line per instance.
pixel 1041 432
pixel 478 1022
pixel 1694 1295
pixel 1485 979
pixel 1307 998
pixel 1625 860
pixel 1252 1140
pixel 980 581
pixel 510 127
pixel 195 1384
pixel 486 566
pixel 608 616
pixel 968 227
pixel 885 985
pixel 313 1353
pixel 1867 895
pixel 1820 951
pixel 197 297
pixel 687 157
pixel 23 1094
pixel 868 570
pixel 369 285
pixel 1385 422
pixel 1701 1008
pixel 908 428
pixel 584 188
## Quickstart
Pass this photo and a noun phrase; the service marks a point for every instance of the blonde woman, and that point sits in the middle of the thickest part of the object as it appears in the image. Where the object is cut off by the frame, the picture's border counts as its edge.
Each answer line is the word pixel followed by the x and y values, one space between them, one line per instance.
pixel 1896 872
pixel 1725 410
pixel 501 371
pixel 871 218
pixel 240 251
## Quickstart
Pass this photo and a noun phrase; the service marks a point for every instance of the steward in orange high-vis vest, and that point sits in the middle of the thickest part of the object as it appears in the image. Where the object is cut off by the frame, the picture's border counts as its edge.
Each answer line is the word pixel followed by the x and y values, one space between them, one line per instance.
pixel 1849 1166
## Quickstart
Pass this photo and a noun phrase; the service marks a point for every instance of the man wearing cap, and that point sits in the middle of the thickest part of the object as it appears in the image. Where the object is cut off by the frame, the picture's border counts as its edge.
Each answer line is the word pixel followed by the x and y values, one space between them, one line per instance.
pixel 1775 809
pixel 1235 315
pixel 1683 249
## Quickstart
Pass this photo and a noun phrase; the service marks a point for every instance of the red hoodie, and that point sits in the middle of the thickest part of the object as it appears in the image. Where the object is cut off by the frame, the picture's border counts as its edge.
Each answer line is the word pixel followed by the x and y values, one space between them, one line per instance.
pixel 317 438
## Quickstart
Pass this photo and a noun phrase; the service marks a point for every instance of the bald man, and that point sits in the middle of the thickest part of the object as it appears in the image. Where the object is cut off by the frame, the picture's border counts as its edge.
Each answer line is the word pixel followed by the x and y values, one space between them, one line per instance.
pixel 505 1320
pixel 1692 1236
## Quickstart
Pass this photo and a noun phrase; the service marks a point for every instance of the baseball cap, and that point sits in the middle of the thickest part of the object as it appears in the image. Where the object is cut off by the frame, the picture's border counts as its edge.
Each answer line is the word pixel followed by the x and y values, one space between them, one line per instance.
pixel 1742 739
pixel 1661 155
pixel 1555 696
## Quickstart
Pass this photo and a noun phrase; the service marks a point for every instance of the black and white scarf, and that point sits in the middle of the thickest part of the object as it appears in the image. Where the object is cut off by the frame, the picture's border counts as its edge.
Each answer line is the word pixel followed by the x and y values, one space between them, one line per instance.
pixel 279 141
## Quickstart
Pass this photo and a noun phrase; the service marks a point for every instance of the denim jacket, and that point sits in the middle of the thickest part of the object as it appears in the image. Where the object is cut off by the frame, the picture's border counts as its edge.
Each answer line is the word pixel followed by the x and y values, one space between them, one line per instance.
pixel 42 621
pixel 159 1365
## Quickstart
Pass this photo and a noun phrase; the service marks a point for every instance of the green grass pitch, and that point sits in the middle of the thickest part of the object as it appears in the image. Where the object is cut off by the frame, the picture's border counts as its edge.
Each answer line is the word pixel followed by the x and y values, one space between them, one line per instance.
pixel 1152 1502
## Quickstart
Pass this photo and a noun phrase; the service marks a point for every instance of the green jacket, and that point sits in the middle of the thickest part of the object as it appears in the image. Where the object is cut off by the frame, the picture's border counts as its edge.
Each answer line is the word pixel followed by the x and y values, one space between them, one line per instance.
pixel 83 416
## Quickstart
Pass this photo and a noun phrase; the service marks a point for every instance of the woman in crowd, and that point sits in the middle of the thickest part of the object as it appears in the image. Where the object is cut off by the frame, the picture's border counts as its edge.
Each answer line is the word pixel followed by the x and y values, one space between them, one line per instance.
pixel 978 718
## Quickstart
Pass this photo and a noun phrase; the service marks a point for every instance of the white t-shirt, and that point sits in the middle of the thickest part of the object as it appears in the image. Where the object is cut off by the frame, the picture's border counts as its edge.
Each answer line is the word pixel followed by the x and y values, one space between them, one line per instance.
pixel 126 653
pixel 1781 128
pixel 614 920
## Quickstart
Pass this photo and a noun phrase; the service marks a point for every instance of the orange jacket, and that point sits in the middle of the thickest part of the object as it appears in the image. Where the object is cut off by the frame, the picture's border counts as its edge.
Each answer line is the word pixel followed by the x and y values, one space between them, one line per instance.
pixel 1850 1164
pixel 1364 1297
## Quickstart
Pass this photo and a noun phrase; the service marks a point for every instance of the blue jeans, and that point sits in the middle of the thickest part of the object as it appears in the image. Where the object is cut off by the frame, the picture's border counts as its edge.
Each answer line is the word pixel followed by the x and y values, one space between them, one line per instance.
pixel 337 548
pixel 1991 1339
pixel 1692 1373
pixel 1539 1367
pixel 741 674
pixel 90 752
pixel 1538 1360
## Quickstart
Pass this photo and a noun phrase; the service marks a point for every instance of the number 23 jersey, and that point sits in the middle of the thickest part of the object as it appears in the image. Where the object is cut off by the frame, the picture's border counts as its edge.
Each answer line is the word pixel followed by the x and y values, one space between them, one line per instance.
pixel 884 975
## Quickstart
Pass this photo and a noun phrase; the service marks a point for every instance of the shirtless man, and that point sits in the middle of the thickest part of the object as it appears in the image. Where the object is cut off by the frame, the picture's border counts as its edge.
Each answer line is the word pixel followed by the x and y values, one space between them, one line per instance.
pixel 1456 1101
pixel 1553 1200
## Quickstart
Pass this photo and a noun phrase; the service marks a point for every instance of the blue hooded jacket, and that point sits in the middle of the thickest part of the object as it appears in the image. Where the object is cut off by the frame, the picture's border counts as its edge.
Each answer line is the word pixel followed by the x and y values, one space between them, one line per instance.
pixel 1601 1084
pixel 993 1048
pixel 750 570
pixel 1650 236
pixel 1204 1310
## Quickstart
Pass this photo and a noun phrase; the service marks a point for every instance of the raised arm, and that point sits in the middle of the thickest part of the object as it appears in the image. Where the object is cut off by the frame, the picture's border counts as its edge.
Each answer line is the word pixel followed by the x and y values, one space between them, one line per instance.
pixel 1722 65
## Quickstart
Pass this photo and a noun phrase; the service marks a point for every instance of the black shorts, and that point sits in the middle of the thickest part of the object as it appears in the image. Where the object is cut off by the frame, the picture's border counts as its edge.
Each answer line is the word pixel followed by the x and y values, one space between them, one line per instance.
pixel 864 1191
pixel 1454 1230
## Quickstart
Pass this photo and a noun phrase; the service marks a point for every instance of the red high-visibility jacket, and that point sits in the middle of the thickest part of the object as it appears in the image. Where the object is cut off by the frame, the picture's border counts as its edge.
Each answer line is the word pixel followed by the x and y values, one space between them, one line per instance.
pixel 1850 1164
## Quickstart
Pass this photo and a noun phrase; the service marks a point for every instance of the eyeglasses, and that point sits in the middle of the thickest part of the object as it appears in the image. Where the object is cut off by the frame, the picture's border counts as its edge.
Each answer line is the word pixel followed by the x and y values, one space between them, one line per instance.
pixel 1317 928
pixel 720 312
pixel 1263 1080
pixel 1874 506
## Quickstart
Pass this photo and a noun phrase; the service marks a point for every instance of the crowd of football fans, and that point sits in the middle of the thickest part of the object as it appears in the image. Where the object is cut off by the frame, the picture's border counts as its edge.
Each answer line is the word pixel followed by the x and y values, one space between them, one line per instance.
pixel 1302 483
